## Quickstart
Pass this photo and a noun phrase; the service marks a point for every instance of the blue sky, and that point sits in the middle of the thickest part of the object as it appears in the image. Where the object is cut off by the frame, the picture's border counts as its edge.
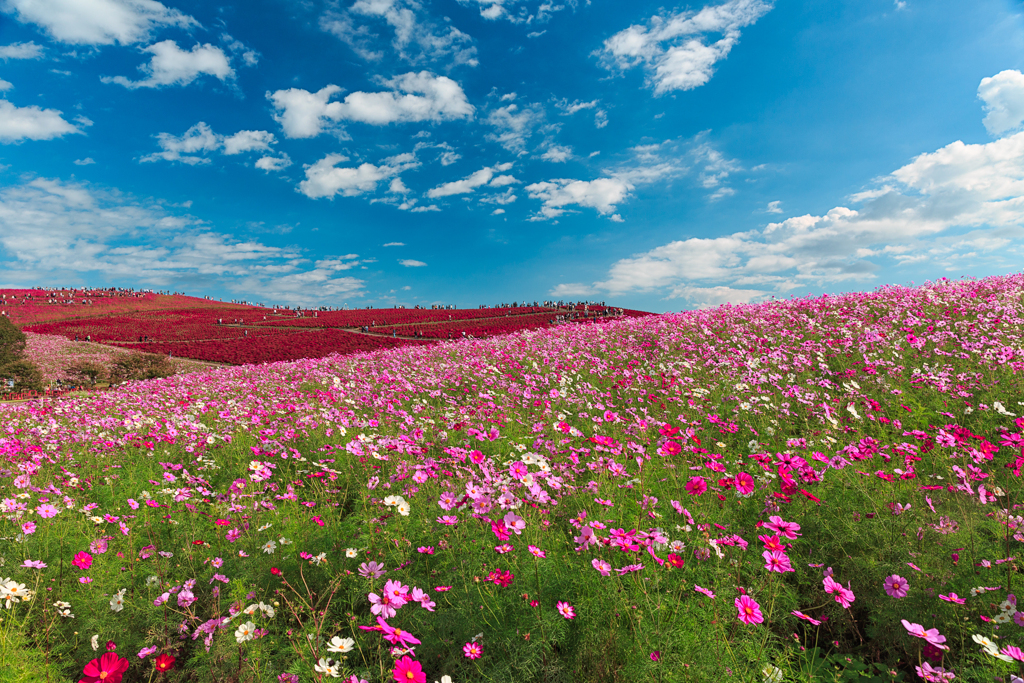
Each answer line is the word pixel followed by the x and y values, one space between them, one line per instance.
pixel 374 152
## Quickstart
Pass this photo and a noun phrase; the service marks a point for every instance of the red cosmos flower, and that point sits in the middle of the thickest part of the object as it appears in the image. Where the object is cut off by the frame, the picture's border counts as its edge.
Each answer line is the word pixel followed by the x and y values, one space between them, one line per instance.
pixel 223 522
pixel 675 560
pixel 198 542
pixel 275 571
pixel 107 669
pixel 164 662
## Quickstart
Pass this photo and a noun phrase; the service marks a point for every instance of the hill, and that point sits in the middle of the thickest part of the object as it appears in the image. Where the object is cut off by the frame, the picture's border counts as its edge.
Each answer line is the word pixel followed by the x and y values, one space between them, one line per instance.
pixel 579 503
pixel 238 334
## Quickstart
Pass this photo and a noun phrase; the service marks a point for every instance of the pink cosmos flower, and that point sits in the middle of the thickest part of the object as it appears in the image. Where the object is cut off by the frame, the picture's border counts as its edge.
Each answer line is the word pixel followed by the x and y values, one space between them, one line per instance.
pixel 34 564
pixel 953 597
pixel 83 560
pixel 514 522
pixel 448 520
pixel 601 566
pixel 397 636
pixel 535 551
pixel 775 561
pixel 896 586
pixel 383 605
pixel 705 591
pixel 565 609
pixel 803 616
pixel 472 650
pixel 46 511
pixel 1013 651
pixel 934 674
pixel 749 612
pixel 696 486
pixel 931 635
pixel 787 529
pixel 28 528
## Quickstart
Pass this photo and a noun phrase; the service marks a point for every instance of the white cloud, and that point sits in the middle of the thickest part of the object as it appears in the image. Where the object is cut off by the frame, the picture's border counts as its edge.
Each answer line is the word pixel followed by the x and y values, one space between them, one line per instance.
pixel 413 97
pixel 571 289
pixel 200 139
pixel 1003 95
pixel 31 123
pixel 774 207
pixel 601 194
pixel 960 202
pixel 274 163
pixel 5 85
pixel 497 212
pixel 170 65
pixel 600 119
pixel 514 126
pixel 674 47
pixel 411 263
pixel 558 154
pixel 84 162
pixel 398 187
pixel 326 179
pixel 568 108
pixel 21 51
pixel 99 22
pixel 504 9
pixel 506 197
pixel 395 244
pixel 55 230
pixel 482 177
pixel 415 39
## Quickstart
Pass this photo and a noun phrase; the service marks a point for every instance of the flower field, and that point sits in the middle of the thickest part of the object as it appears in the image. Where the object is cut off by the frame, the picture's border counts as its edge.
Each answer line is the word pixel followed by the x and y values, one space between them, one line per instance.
pixel 241 335
pixel 818 489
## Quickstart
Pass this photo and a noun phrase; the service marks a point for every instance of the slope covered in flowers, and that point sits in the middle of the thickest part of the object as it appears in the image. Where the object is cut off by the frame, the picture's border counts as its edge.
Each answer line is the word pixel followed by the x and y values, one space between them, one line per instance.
pixel 789 491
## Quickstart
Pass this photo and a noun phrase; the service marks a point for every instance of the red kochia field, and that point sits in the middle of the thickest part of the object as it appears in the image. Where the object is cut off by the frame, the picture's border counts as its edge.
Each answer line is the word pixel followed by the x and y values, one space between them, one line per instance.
pixel 189 327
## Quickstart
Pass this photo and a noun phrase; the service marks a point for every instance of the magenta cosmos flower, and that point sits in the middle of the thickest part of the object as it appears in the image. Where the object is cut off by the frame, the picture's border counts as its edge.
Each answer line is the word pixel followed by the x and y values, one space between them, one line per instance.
pixel 749 610
pixel 896 586
pixel 705 591
pixel 696 486
pixel 408 670
pixel 787 529
pixel 472 650
pixel 565 609
pixel 82 560
pixel 107 669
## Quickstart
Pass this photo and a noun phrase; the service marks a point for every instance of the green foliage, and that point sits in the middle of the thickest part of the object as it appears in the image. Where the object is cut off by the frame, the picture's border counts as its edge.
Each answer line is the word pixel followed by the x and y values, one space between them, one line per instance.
pixel 12 341
pixel 25 375
pixel 140 366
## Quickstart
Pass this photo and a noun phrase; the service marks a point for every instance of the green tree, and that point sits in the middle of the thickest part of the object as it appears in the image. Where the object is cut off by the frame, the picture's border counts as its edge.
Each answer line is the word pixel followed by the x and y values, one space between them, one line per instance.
pixel 25 375
pixel 140 366
pixel 12 341
pixel 85 372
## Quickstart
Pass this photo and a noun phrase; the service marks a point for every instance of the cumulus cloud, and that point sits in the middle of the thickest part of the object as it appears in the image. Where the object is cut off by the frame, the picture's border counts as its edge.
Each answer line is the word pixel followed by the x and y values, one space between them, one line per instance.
pixel 514 125
pixel 395 244
pixel 99 22
pixel 1003 95
pixel 415 37
pixel 170 65
pixel 963 201
pixel 200 139
pixel 571 289
pixel 676 49
pixel 274 163
pixel 31 123
pixel 519 12
pixel 411 263
pixel 412 97
pixel 55 230
pixel 326 179
pixel 20 51
pixel 5 85
pixel 774 207
pixel 482 177
pixel 569 108
pixel 558 154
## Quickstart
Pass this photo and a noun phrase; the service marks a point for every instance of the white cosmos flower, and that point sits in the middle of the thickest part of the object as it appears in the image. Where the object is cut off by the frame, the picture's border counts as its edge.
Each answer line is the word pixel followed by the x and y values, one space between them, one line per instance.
pixel 324 666
pixel 403 509
pixel 269 547
pixel 245 632
pixel 341 645
pixel 351 552
pixel 117 602
pixel 95 642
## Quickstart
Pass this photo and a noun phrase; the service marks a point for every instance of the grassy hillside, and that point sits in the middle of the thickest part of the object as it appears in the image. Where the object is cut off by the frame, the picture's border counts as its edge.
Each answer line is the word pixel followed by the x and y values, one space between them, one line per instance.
pixel 817 489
